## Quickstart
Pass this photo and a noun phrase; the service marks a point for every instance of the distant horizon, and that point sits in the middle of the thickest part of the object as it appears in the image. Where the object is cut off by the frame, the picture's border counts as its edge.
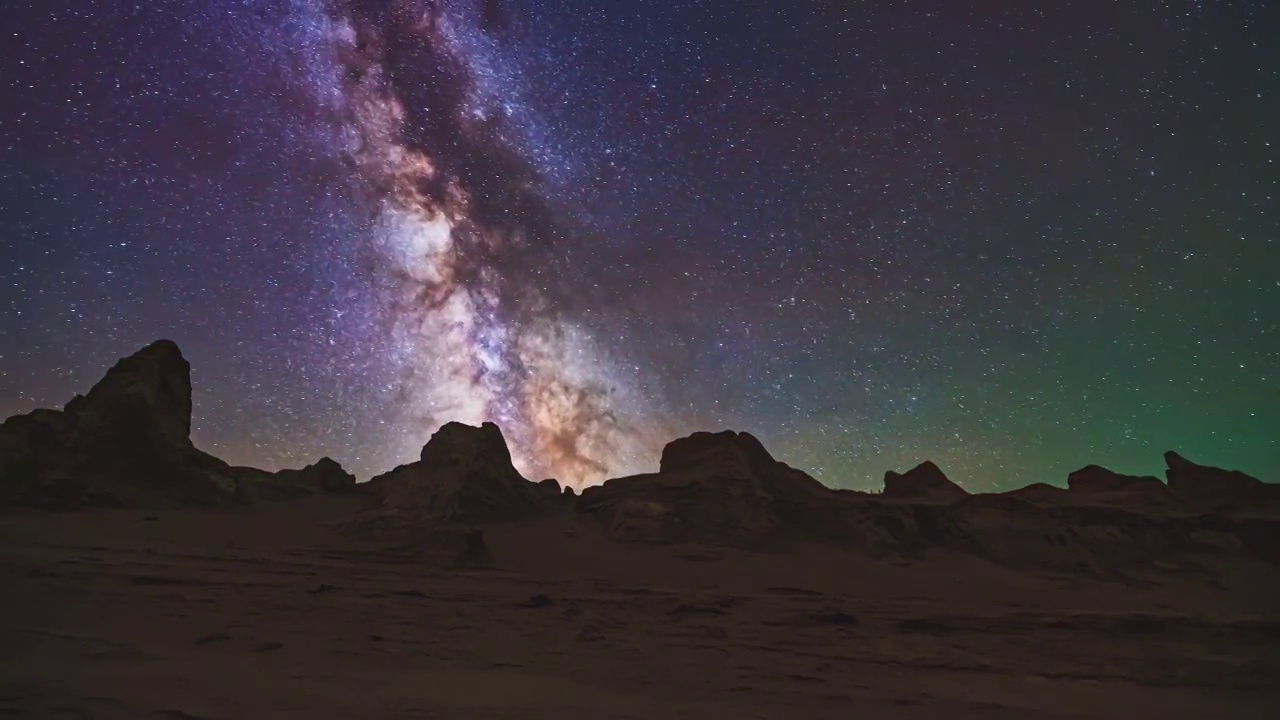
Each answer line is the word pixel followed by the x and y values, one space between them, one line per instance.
pixel 337 456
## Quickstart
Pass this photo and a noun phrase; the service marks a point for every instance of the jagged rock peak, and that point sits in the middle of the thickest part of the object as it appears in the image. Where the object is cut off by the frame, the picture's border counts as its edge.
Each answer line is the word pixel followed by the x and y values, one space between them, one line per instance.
pixel 924 481
pixel 1187 477
pixel 704 447
pixel 326 463
pixel 148 392
pixel 325 474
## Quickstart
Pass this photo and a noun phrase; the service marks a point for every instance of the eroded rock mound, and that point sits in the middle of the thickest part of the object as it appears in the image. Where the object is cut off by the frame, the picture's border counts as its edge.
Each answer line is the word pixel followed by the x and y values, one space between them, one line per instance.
pixel 925 482
pixel 728 451
pixel 1094 483
pixel 464 474
pixel 711 487
pixel 1095 478
pixel 1040 493
pixel 324 475
pixel 321 477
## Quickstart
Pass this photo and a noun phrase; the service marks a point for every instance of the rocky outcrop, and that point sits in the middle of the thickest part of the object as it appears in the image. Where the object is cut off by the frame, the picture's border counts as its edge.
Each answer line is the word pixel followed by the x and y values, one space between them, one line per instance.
pixel 1095 478
pixel 1097 484
pixel 322 477
pixel 735 453
pixel 28 443
pixel 325 475
pixel 1212 488
pixel 1041 493
pixel 126 442
pixel 724 487
pixel 1093 539
pixel 144 398
pixel 924 482
pixel 464 474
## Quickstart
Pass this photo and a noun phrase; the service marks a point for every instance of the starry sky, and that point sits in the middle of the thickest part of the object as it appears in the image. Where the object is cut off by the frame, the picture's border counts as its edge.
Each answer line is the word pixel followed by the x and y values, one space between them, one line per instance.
pixel 1012 238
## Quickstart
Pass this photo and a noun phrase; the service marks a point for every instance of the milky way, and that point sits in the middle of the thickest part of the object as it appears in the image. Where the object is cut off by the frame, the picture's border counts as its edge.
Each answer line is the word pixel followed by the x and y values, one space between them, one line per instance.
pixel 1011 238
pixel 467 252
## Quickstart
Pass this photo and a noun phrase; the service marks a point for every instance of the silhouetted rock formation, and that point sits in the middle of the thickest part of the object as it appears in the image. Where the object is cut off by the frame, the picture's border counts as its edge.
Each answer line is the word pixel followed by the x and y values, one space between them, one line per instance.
pixel 724 486
pixel 145 397
pixel 1214 488
pixel 1039 493
pixel 126 442
pixel 734 452
pixel 1097 484
pixel 922 482
pixel 1094 478
pixel 465 474
pixel 323 476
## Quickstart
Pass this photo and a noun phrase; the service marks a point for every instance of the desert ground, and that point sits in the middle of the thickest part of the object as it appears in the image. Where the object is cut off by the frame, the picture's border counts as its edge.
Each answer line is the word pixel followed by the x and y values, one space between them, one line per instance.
pixel 273 611
pixel 144 578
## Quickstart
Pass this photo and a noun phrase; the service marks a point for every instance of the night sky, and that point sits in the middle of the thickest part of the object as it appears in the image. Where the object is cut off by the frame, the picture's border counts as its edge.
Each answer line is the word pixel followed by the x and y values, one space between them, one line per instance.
pixel 1013 238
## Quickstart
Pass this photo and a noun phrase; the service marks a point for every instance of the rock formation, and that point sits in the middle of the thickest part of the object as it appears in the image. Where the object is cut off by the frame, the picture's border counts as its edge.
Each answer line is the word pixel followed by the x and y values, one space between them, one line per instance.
pixel 923 482
pixel 725 489
pixel 323 476
pixel 724 486
pixel 1042 493
pixel 126 442
pixel 464 474
pixel 1097 484
pixel 1213 488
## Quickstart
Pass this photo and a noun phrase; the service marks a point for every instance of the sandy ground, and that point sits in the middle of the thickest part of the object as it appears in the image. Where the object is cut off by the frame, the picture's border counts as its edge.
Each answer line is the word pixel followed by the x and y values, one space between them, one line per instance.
pixel 270 612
